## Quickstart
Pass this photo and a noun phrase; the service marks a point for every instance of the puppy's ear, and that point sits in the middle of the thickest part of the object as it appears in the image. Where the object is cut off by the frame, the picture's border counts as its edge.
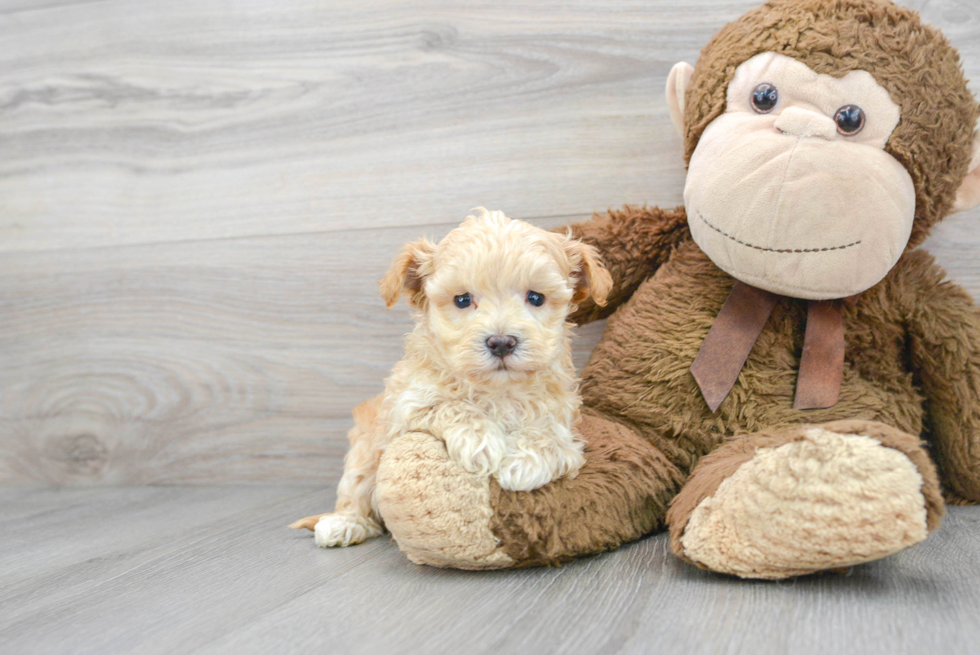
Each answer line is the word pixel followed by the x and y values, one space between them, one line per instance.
pixel 408 273
pixel 591 277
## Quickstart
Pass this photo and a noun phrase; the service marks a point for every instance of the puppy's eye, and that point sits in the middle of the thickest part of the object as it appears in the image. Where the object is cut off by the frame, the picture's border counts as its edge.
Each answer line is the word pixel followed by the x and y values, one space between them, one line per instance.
pixel 463 300
pixel 535 298
pixel 765 97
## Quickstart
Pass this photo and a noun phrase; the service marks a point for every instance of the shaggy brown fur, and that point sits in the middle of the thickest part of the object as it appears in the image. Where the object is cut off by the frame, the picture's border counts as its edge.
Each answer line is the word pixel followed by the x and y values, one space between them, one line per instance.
pixel 620 496
pixel 912 360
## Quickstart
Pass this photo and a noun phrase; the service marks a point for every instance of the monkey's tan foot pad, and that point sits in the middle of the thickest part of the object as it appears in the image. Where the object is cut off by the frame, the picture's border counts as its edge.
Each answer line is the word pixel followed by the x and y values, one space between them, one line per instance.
pixel 438 513
pixel 813 499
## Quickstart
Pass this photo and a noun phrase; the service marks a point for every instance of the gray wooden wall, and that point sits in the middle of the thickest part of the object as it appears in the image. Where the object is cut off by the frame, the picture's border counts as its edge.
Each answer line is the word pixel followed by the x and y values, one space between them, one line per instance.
pixel 196 198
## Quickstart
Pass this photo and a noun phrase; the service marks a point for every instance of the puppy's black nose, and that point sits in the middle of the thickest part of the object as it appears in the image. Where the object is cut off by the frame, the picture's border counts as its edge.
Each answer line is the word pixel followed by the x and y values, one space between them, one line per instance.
pixel 502 345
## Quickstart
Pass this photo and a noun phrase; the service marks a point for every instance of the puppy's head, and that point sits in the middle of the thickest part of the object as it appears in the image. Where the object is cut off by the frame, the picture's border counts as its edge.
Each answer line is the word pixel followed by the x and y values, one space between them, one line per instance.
pixel 495 293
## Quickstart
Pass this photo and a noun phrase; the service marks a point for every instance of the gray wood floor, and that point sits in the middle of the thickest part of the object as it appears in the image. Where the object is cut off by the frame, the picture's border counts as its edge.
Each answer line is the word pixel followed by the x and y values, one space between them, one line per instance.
pixel 214 570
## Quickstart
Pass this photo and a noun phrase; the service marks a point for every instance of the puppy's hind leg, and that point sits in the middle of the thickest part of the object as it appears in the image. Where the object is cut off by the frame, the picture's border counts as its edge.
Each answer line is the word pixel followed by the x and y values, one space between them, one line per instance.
pixel 354 518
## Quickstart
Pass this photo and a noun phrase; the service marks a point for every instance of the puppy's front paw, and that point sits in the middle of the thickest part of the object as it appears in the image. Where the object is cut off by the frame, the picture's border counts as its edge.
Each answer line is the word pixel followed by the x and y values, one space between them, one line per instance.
pixel 527 470
pixel 344 530
pixel 478 450
pixel 524 471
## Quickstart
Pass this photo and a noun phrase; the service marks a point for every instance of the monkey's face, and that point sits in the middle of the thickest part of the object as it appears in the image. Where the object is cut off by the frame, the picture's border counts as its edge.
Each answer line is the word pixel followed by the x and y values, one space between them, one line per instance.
pixel 791 189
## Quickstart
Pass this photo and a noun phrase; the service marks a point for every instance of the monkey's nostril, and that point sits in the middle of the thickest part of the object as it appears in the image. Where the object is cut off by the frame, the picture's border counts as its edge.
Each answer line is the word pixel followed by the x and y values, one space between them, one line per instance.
pixel 502 345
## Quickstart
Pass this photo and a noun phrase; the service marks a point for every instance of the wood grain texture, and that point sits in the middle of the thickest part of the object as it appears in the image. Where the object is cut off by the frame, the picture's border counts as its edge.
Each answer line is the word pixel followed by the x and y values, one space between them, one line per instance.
pixel 214 570
pixel 128 123
pixel 196 199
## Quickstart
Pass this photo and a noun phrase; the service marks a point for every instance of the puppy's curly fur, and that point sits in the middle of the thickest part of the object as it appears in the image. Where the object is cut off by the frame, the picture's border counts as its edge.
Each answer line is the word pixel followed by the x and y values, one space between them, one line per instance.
pixel 509 413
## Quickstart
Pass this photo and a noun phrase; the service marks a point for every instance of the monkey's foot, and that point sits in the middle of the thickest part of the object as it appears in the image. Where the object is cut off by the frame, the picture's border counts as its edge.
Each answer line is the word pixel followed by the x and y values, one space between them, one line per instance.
pixel 814 498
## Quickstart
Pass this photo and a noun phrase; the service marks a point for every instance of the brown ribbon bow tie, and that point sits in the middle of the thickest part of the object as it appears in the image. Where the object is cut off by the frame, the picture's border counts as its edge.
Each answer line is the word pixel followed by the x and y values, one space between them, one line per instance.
pixel 740 323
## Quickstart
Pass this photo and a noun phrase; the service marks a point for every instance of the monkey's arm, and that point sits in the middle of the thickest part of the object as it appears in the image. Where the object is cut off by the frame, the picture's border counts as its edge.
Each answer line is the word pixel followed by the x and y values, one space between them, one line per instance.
pixel 944 330
pixel 633 243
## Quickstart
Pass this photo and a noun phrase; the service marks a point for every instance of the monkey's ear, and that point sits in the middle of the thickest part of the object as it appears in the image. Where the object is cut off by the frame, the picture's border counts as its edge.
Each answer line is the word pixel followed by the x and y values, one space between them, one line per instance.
pixel 677 83
pixel 591 277
pixel 968 195
pixel 407 273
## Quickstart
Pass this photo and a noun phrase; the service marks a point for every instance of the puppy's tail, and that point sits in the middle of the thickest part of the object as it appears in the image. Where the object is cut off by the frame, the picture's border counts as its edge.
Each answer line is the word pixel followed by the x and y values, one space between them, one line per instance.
pixel 309 522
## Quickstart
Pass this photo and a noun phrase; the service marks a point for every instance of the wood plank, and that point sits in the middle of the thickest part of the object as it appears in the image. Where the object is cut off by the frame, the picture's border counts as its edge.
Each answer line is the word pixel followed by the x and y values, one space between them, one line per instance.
pixel 169 554
pixel 226 120
pixel 155 574
pixel 197 119
pixel 107 533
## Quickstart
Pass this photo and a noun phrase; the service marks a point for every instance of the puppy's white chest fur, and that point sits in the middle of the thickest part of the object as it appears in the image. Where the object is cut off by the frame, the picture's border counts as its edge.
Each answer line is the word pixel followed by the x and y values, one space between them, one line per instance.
pixel 521 432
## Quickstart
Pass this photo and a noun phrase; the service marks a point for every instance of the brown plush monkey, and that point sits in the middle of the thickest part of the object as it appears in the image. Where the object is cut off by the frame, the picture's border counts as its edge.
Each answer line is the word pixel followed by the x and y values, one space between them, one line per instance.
pixel 777 350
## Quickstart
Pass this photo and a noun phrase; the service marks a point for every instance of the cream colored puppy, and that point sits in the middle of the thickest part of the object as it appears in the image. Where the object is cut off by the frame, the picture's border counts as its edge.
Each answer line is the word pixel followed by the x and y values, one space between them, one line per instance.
pixel 487 368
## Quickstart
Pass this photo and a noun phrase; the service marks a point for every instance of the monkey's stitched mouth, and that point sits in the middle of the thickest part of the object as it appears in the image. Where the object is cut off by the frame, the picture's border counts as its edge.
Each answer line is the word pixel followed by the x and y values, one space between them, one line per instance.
pixel 752 245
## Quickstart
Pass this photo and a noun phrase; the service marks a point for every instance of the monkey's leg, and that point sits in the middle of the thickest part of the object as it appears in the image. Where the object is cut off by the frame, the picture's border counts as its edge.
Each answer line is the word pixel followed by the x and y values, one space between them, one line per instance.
pixel 806 499
pixel 442 515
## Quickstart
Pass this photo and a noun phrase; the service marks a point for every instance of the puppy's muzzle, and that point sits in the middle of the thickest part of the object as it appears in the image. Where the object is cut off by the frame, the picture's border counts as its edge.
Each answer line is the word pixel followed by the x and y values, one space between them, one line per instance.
pixel 501 345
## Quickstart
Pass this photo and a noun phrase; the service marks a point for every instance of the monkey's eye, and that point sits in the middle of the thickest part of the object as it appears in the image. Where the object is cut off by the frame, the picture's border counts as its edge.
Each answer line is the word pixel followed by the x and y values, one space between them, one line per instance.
pixel 765 97
pixel 849 119
pixel 535 298
pixel 463 300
